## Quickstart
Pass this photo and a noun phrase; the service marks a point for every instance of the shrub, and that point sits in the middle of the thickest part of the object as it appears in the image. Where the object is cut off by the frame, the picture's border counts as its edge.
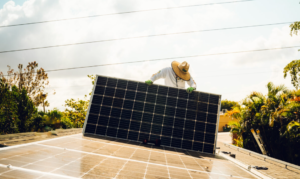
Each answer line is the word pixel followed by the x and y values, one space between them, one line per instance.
pixel 66 123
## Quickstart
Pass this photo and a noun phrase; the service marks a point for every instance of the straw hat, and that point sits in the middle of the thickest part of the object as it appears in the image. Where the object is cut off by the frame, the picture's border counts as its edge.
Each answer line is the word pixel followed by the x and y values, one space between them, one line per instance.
pixel 181 70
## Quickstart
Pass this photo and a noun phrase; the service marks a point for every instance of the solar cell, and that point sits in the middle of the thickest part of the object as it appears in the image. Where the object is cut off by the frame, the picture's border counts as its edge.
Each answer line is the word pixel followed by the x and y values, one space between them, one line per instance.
pixel 134 111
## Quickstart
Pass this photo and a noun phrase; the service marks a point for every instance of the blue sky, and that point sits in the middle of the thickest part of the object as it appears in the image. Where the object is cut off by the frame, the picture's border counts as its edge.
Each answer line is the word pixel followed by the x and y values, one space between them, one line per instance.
pixel 233 76
pixel 18 2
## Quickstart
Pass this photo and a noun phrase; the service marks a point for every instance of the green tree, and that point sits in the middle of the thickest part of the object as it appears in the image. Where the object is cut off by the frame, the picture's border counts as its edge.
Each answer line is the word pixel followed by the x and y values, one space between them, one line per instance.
pixel 31 78
pixel 293 128
pixel 66 122
pixel 8 110
pixel 53 118
pixel 93 78
pixel 26 108
pixel 275 102
pixel 275 115
pixel 226 104
pixel 291 110
pixel 76 111
pixel 295 27
pixel 292 143
pixel 38 121
pixel 293 68
pixel 237 131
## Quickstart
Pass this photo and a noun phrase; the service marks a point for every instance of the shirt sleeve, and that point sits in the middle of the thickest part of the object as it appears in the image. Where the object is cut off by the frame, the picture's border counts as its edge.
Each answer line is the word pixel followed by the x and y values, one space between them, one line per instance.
pixel 160 74
pixel 192 83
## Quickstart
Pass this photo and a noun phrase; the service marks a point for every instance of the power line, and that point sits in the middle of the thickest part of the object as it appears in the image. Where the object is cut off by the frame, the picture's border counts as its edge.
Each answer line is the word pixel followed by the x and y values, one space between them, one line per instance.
pixel 239 69
pixel 170 58
pixel 238 74
pixel 92 86
pixel 197 77
pixel 159 59
pixel 145 36
pixel 252 90
pixel 119 13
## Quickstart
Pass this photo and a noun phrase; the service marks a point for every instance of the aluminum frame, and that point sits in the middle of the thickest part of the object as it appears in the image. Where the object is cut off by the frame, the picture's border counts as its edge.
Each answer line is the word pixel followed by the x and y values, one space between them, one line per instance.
pixel 88 112
pixel 263 156
pixel 217 125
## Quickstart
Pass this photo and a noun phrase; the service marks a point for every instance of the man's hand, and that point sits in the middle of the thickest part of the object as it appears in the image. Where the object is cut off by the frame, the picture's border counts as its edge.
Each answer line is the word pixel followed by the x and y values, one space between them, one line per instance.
pixel 190 90
pixel 149 82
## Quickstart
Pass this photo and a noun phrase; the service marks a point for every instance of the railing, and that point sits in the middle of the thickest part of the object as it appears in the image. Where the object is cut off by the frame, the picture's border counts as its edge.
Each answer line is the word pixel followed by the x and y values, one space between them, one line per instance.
pixel 265 157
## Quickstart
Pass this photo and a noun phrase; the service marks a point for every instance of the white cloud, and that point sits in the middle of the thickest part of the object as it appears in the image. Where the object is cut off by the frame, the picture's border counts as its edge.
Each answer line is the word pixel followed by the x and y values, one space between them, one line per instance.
pixel 208 71
pixel 278 38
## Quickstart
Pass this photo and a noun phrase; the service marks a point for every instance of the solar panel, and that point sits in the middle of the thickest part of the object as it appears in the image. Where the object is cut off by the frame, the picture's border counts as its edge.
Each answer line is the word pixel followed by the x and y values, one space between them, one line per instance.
pixel 132 110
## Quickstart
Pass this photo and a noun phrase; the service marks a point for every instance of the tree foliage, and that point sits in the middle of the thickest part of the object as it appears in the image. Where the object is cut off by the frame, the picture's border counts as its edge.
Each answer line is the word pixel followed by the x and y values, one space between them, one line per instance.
pixel 50 120
pixel 93 78
pixel 295 27
pixel 22 91
pixel 293 68
pixel 226 104
pixel 76 111
pixel 53 118
pixel 25 107
pixel 32 79
pixel 277 116
pixel 66 123
pixel 37 122
pixel 8 110
pixel 237 131
pixel 16 109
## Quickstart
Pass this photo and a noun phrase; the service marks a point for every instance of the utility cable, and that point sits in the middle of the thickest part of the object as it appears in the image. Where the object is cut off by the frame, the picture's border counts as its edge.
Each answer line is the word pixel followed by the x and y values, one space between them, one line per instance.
pixel 171 58
pixel 119 13
pixel 144 36
pixel 197 77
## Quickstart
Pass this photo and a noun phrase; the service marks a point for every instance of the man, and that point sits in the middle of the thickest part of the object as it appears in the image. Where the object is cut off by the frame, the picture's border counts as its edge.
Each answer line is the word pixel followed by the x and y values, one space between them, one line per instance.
pixel 175 76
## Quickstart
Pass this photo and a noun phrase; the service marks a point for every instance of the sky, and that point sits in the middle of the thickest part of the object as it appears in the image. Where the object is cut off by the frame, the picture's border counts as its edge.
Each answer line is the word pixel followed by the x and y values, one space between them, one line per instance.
pixel 234 76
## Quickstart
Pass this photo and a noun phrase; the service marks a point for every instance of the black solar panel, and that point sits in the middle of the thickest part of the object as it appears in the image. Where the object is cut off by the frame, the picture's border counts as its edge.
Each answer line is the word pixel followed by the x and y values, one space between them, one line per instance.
pixel 134 111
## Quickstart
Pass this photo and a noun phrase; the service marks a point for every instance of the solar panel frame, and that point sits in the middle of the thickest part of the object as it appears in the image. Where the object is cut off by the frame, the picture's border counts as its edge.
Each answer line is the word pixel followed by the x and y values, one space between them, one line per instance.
pixel 120 83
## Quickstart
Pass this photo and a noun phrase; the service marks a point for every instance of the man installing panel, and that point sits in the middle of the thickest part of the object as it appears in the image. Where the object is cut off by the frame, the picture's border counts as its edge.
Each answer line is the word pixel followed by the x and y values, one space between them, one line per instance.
pixel 175 76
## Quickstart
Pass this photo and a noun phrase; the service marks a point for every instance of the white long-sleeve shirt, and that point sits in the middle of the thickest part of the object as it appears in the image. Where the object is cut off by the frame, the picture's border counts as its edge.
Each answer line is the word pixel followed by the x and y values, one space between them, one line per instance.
pixel 171 80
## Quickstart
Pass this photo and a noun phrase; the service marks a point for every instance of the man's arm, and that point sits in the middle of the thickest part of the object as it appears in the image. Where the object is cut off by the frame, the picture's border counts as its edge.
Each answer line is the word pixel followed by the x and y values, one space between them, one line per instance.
pixel 192 85
pixel 160 74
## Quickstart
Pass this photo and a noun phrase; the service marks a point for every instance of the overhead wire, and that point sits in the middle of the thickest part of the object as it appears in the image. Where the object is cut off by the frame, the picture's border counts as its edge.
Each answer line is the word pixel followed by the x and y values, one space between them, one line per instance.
pixel 144 36
pixel 119 13
pixel 197 76
pixel 170 58
pixel 57 20
pixel 252 90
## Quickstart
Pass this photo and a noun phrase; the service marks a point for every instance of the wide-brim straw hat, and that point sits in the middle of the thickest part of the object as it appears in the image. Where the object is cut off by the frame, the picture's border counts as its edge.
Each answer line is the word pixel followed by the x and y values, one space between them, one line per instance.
pixel 181 70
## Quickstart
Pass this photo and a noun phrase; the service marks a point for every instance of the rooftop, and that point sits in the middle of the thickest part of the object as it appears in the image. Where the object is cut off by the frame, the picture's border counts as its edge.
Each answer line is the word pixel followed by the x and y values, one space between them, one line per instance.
pixel 76 156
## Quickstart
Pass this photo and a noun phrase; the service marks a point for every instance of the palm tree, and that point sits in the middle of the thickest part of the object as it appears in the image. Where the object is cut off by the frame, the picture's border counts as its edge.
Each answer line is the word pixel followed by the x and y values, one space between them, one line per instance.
pixel 292 143
pixel 271 112
pixel 261 112
pixel 277 99
pixel 276 115
pixel 53 118
pixel 236 128
pixel 292 106
pixel 38 122
pixel 236 131
pixel 293 128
